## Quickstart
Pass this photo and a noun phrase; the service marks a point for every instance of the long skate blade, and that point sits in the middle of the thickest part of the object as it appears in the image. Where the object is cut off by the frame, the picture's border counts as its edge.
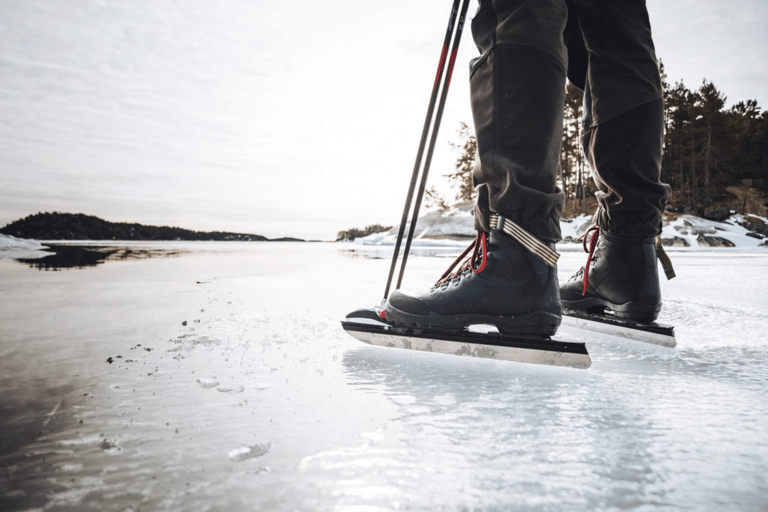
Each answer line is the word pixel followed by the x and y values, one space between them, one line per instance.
pixel 658 334
pixel 368 327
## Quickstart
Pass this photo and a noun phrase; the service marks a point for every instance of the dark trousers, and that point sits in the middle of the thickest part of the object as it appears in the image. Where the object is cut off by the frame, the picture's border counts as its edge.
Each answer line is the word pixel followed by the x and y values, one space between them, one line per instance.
pixel 517 92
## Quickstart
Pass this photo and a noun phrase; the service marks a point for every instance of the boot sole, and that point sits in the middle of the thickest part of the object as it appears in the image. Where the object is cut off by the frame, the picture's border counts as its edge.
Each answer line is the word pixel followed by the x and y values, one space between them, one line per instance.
pixel 534 324
pixel 634 311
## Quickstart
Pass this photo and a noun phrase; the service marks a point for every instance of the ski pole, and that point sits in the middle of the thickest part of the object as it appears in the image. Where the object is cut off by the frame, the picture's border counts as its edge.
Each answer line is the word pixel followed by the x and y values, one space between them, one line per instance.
pixel 431 150
pixel 422 144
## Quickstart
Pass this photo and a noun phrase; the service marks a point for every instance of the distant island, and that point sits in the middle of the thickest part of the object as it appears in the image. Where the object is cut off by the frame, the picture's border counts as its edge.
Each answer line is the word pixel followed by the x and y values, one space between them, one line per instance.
pixel 78 226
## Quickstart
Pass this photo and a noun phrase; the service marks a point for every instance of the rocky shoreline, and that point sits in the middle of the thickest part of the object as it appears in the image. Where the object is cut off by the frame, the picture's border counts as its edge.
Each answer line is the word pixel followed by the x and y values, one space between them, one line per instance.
pixel 77 226
pixel 686 231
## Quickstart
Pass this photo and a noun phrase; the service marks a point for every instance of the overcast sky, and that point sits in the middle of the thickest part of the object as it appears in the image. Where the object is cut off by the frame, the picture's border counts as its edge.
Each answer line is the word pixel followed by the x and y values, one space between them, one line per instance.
pixel 271 117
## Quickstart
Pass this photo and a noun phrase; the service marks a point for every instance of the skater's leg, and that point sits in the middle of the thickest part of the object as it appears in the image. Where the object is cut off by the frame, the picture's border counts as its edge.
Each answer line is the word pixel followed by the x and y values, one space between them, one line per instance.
pixel 622 135
pixel 517 94
pixel 622 130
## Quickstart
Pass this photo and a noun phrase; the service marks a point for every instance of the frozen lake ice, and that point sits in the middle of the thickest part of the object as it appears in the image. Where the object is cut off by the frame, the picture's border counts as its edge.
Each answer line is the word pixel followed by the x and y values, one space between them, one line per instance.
pixel 196 376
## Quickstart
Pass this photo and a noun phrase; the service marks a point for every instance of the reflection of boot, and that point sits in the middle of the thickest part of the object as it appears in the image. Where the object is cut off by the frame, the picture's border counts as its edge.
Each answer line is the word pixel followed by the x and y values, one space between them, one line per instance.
pixel 620 275
pixel 503 282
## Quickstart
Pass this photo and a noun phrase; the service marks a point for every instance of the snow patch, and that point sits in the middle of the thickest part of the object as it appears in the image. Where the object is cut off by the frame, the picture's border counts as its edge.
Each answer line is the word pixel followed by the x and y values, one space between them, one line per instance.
pixel 572 229
pixel 693 232
pixel 451 227
pixel 12 247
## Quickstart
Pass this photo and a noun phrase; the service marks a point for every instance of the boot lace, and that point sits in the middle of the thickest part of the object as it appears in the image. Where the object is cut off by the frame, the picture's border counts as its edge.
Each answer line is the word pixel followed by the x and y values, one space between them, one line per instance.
pixel 592 240
pixel 466 262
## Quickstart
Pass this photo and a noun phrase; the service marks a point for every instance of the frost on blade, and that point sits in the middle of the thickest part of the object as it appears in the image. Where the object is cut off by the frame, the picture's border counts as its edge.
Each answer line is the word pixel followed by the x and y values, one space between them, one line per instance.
pixel 249 452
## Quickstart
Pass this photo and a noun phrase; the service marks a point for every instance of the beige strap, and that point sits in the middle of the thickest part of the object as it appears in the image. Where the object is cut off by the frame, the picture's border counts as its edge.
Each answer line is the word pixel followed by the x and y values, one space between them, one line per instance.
pixel 528 241
pixel 666 263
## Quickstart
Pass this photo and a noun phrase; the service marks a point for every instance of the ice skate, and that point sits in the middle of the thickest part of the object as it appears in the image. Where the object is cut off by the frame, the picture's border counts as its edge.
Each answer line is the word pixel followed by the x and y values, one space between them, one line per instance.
pixel 618 288
pixel 498 300
pixel 621 275
pixel 505 281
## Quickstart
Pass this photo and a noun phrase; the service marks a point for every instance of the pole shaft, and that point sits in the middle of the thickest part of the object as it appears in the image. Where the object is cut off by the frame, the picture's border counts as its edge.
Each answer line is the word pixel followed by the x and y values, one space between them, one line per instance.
pixel 422 144
pixel 433 140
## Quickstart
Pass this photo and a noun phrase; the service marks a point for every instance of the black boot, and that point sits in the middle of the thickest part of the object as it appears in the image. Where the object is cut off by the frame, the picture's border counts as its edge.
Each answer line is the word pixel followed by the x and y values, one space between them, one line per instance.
pixel 509 281
pixel 621 275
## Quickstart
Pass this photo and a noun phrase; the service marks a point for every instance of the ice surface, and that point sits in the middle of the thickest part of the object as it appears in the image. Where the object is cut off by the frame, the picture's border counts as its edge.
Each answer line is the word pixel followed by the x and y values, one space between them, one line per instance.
pixel 304 417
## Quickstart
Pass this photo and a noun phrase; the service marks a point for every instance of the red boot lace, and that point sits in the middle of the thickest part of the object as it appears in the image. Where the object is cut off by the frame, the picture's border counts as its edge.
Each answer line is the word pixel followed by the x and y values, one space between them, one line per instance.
pixel 592 244
pixel 475 262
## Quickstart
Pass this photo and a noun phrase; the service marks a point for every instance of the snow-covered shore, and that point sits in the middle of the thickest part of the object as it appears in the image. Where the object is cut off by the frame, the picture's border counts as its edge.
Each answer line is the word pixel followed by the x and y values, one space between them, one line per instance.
pixel 12 247
pixel 455 226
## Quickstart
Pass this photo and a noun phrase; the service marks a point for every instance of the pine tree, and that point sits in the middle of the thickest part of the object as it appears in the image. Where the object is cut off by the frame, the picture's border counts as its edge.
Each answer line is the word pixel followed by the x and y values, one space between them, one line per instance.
pixel 678 104
pixel 714 134
pixel 434 201
pixel 571 162
pixel 708 148
pixel 465 163
pixel 747 126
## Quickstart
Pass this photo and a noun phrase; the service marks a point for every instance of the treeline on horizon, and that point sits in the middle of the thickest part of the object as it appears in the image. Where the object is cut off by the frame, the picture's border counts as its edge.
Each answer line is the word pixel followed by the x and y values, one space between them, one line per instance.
pixel 77 226
pixel 707 147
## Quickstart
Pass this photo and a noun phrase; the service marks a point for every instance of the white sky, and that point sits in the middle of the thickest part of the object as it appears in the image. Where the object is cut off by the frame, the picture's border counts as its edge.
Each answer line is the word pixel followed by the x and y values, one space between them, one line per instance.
pixel 278 118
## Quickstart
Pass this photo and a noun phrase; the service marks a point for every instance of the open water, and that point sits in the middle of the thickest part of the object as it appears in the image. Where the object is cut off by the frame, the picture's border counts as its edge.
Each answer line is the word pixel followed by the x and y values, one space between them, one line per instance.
pixel 197 376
